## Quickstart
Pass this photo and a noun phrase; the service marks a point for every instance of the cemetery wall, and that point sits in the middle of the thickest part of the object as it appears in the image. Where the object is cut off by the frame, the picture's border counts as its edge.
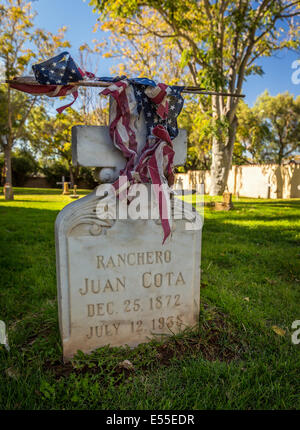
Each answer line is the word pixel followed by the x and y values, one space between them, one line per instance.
pixel 41 182
pixel 37 182
pixel 257 181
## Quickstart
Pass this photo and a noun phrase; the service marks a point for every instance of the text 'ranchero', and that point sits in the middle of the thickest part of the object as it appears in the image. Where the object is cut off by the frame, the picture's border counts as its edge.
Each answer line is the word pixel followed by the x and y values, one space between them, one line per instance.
pixel 133 259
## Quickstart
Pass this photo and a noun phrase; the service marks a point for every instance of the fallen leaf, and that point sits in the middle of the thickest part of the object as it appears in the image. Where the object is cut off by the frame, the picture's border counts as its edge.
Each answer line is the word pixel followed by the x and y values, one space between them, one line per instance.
pixel 126 364
pixel 12 373
pixel 247 299
pixel 278 330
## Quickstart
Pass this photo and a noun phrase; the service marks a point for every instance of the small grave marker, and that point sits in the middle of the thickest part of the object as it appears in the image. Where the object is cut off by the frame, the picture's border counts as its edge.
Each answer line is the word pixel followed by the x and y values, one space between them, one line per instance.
pixel 65 186
pixel 226 204
pixel 74 195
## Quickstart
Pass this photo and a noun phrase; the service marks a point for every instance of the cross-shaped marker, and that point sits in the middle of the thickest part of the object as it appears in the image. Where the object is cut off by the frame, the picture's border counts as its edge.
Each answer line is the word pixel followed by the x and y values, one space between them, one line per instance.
pixel 62 182
pixel 92 147
pixel 65 186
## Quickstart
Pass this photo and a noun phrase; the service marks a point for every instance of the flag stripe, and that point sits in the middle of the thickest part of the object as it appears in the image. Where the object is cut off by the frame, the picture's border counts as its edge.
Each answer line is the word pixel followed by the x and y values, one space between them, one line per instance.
pixel 155 162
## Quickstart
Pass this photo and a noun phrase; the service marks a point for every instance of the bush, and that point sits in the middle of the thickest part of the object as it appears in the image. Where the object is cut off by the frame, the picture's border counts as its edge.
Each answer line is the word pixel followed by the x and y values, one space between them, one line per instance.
pixel 56 169
pixel 54 173
pixel 86 177
pixel 23 165
pixel 195 160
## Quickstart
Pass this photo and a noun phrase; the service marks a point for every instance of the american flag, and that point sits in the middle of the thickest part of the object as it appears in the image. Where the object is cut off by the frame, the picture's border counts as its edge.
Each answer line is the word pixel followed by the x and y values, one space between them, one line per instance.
pixel 149 161
pixel 57 70
pixel 54 75
pixel 161 104
pixel 149 95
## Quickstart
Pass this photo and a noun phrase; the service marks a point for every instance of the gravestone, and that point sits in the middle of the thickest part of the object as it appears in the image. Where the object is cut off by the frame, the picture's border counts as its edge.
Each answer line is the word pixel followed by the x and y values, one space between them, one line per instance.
pixel 226 203
pixel 74 195
pixel 65 186
pixel 117 283
pixel 227 199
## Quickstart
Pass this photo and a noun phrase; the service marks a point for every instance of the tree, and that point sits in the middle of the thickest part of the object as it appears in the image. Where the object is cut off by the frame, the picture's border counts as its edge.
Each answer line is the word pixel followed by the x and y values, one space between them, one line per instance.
pixel 282 116
pixel 218 42
pixel 94 109
pixel 12 126
pixel 252 135
pixel 51 135
pixel 147 54
pixel 198 126
pixel 20 44
pixel 23 166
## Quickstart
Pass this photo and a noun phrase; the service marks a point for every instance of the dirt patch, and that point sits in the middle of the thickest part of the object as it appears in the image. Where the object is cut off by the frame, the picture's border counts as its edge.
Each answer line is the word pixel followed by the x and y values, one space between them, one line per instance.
pixel 215 340
pixel 59 368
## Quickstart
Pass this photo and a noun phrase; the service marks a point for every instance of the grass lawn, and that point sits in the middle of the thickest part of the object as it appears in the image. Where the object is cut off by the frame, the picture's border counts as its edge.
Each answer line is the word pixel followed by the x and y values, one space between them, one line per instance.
pixel 235 360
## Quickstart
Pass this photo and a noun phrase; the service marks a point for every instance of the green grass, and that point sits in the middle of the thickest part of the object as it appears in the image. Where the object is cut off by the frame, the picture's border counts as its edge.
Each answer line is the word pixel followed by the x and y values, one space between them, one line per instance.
pixel 235 360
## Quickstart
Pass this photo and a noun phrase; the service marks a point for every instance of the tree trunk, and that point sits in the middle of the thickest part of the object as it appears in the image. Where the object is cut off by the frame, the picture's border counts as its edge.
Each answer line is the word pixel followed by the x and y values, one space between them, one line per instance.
pixel 280 153
pixel 71 176
pixel 8 190
pixel 221 160
pixel 219 167
pixel 75 173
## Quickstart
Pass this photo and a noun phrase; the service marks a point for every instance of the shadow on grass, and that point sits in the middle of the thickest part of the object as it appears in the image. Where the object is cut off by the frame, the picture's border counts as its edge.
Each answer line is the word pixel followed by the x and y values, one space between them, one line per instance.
pixel 41 201
pixel 27 236
pixel 291 203
pixel 27 260
pixel 231 352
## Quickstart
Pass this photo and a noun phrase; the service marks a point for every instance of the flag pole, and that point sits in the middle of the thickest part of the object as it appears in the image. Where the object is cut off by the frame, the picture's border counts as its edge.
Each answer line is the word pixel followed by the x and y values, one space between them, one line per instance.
pixel 92 83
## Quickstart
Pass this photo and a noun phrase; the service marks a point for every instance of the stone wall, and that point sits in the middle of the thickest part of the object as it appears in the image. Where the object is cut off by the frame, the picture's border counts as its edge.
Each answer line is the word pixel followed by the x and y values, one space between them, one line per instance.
pixel 258 181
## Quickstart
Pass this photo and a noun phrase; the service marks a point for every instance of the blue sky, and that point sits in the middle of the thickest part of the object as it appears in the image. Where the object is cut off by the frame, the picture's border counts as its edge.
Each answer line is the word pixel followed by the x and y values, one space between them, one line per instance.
pixel 80 20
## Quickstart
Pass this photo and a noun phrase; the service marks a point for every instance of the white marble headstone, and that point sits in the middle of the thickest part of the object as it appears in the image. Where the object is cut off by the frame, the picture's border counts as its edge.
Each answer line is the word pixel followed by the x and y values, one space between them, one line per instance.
pixel 117 283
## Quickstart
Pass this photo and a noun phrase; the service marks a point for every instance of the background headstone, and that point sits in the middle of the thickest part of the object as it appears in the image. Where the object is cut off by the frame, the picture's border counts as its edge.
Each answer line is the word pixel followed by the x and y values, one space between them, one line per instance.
pixel 74 195
pixel 66 188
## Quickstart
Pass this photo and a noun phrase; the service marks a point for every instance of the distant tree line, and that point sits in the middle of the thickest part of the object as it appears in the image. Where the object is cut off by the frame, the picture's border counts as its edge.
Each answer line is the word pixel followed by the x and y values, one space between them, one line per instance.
pixel 269 132
pixel 25 121
pixel 214 45
pixel 25 165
